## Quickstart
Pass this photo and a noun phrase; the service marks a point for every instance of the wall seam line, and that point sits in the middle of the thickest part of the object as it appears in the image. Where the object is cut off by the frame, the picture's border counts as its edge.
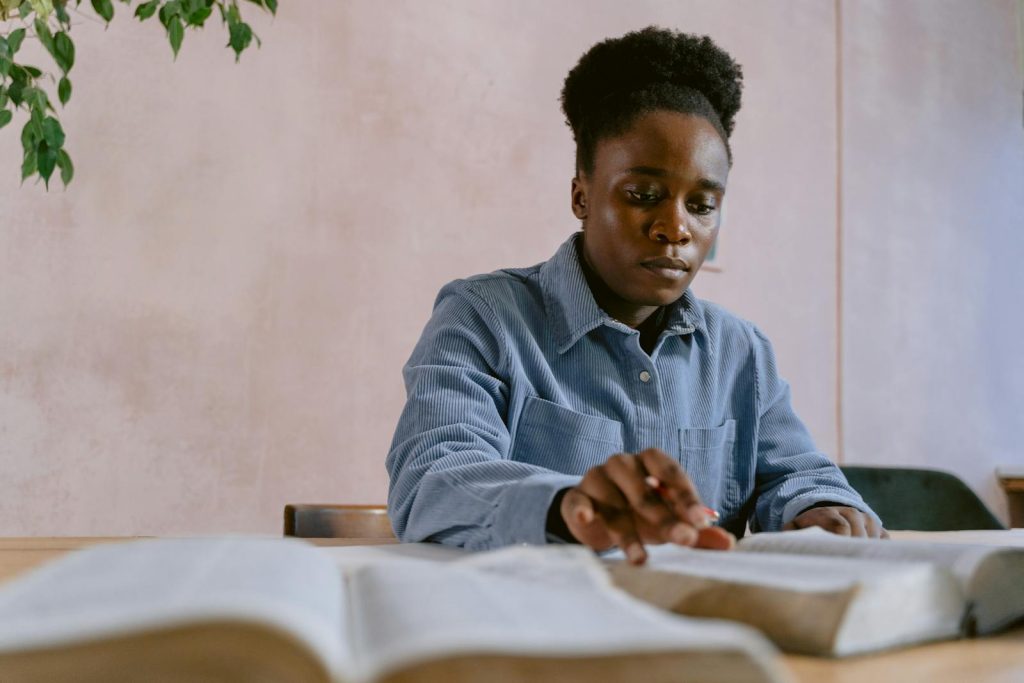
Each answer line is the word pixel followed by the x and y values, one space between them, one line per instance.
pixel 840 440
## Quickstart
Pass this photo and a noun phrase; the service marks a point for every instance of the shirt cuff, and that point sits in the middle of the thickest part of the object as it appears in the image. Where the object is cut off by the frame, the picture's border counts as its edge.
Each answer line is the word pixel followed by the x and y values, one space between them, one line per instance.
pixel 522 512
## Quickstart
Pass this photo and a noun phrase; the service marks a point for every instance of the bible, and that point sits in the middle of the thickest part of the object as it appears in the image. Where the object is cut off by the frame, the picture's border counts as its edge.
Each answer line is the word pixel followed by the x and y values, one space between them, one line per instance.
pixel 280 610
pixel 813 592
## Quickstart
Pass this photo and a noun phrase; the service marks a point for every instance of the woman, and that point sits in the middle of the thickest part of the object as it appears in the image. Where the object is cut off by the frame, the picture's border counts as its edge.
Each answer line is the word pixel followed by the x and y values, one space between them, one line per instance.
pixel 593 398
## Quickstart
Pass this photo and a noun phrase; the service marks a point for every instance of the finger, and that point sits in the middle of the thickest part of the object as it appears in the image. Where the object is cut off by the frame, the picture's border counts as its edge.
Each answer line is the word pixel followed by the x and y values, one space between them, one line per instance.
pixel 624 534
pixel 651 510
pixel 679 492
pixel 874 529
pixel 855 518
pixel 715 538
pixel 581 519
pixel 613 510
pixel 801 521
pixel 833 521
pixel 579 506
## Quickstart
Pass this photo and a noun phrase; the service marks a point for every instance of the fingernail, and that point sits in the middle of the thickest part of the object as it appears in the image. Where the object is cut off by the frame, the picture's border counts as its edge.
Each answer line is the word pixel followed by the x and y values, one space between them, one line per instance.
pixel 699 516
pixel 682 534
pixel 635 553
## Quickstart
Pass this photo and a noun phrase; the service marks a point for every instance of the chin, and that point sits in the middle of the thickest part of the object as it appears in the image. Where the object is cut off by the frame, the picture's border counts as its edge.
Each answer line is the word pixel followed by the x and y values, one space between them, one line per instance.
pixel 659 298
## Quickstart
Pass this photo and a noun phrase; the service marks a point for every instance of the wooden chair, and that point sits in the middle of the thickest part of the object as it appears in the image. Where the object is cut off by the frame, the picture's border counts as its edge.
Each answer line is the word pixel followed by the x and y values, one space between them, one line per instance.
pixel 920 499
pixel 337 521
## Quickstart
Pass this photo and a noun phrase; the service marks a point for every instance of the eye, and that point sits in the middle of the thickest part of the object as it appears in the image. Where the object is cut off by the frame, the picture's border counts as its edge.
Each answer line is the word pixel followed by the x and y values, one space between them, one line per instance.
pixel 643 196
pixel 702 207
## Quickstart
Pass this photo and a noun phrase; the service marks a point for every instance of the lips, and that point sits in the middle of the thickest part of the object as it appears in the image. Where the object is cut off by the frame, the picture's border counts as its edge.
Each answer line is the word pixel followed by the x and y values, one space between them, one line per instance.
pixel 667 267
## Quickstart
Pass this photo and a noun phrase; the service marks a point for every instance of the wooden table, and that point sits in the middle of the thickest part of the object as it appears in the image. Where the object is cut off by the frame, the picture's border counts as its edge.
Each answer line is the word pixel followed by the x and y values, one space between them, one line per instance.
pixel 994 659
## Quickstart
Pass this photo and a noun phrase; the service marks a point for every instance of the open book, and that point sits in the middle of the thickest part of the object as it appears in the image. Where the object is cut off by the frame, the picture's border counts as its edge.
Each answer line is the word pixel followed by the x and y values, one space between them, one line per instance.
pixel 280 610
pixel 818 593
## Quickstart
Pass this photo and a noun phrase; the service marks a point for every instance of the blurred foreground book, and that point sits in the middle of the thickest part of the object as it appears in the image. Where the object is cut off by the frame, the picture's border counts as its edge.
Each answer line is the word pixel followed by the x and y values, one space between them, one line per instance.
pixel 813 592
pixel 272 610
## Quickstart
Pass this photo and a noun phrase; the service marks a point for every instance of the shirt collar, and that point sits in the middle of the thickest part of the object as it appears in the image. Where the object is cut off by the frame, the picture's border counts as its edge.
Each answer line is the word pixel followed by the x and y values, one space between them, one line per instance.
pixel 573 312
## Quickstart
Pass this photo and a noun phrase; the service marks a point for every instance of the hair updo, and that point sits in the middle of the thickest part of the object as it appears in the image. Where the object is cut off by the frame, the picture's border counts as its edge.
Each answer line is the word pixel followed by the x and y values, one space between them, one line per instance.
pixel 619 79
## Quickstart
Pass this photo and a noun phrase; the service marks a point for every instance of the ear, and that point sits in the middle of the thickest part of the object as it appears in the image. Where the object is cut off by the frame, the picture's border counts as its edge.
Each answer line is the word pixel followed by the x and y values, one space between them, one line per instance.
pixel 579 197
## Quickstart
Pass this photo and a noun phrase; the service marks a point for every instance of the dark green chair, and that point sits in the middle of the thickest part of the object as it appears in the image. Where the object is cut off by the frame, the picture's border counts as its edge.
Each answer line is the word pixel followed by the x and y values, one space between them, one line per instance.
pixel 920 499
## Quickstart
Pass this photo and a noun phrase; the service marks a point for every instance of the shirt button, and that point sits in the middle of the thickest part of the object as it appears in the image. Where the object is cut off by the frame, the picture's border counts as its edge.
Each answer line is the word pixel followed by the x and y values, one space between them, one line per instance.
pixel 645 377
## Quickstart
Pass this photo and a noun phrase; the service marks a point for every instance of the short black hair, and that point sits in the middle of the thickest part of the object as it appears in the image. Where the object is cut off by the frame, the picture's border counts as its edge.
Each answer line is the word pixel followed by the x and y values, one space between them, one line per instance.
pixel 619 79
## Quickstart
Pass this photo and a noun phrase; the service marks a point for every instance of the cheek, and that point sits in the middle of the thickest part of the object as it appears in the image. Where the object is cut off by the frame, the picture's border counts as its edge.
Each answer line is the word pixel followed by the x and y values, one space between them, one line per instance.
pixel 621 222
pixel 706 235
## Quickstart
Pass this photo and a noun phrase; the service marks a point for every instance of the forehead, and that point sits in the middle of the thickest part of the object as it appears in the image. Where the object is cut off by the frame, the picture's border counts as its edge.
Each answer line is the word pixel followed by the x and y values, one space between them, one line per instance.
pixel 682 145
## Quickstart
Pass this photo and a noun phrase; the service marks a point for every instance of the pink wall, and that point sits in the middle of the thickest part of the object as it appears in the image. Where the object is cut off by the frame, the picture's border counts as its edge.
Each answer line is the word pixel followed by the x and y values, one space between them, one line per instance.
pixel 933 237
pixel 212 320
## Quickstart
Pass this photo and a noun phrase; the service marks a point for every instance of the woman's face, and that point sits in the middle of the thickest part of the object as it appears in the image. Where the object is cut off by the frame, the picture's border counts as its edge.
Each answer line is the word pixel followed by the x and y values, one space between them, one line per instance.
pixel 650 210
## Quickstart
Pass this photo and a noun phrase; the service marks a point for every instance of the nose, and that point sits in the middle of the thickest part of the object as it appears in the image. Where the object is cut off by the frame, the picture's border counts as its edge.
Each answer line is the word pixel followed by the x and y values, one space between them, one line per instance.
pixel 671 224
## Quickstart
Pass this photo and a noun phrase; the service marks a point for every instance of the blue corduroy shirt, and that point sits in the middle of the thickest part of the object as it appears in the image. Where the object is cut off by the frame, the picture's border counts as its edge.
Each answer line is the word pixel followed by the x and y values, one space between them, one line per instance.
pixel 520 383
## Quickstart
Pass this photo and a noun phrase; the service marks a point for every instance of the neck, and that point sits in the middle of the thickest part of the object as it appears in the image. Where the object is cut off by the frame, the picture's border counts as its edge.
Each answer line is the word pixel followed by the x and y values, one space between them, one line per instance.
pixel 623 311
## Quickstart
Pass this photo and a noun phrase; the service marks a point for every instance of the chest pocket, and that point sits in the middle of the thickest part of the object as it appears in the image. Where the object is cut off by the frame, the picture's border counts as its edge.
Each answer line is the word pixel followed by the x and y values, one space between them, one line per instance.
pixel 708 456
pixel 560 439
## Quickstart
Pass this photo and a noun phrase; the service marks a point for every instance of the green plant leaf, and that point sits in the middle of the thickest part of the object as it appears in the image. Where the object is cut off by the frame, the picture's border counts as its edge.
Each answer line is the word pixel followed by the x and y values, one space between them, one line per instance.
pixel 44 35
pixel 105 9
pixel 47 160
pixel 64 90
pixel 3 97
pixel 67 169
pixel 64 51
pixel 37 99
pixel 170 9
pixel 147 9
pixel 5 67
pixel 29 164
pixel 272 6
pixel 5 117
pixel 19 76
pixel 28 138
pixel 5 51
pixel 240 36
pixel 199 16
pixel 14 90
pixel 60 9
pixel 175 33
pixel 14 40
pixel 35 119
pixel 53 134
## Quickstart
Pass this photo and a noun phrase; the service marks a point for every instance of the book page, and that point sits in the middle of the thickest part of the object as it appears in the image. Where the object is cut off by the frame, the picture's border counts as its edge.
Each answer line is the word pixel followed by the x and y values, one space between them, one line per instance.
pixel 354 556
pixel 805 603
pixel 990 576
pixel 126 588
pixel 1006 538
pixel 529 602
pixel 960 558
pixel 805 573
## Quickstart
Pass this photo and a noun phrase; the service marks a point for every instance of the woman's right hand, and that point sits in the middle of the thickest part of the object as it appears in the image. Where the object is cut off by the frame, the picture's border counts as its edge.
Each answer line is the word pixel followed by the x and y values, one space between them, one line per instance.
pixel 615 504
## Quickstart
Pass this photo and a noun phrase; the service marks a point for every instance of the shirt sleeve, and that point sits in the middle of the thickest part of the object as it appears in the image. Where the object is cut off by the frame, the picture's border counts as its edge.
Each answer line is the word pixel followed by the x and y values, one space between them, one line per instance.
pixel 792 475
pixel 451 479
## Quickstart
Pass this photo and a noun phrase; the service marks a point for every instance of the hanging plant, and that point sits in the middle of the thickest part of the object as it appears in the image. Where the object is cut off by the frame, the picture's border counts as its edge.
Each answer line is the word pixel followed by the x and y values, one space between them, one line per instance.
pixel 30 88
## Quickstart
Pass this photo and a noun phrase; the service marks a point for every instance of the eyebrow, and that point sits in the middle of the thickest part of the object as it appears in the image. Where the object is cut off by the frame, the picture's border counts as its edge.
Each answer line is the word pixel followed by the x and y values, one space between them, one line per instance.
pixel 705 183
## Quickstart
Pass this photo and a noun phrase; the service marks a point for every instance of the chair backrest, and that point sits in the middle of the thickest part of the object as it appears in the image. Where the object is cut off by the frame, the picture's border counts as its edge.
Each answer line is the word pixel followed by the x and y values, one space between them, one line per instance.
pixel 920 499
pixel 337 521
